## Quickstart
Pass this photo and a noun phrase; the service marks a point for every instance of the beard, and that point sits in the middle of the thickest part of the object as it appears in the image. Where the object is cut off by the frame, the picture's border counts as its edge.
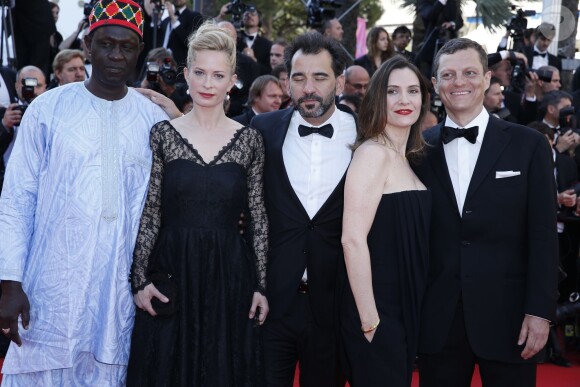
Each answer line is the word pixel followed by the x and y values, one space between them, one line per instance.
pixel 311 110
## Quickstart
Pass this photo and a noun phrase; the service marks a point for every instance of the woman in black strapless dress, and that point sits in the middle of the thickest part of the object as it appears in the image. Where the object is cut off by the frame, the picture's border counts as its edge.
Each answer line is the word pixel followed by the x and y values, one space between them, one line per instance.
pixel 385 231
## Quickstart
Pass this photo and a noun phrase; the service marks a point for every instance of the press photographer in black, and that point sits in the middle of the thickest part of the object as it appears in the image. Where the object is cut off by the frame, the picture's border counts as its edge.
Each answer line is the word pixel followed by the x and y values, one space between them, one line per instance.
pixel 161 75
pixel 30 83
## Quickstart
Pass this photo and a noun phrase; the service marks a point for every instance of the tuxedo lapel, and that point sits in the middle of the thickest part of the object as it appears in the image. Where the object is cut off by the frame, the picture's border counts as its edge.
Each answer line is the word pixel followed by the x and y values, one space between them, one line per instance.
pixel 494 142
pixel 440 169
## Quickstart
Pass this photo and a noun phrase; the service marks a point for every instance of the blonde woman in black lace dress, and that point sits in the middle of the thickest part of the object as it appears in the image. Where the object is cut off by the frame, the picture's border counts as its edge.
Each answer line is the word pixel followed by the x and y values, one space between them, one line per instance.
pixel 198 283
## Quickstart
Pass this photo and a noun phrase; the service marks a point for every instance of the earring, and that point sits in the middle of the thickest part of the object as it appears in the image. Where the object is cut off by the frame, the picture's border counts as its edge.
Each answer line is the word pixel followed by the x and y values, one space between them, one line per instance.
pixel 228 96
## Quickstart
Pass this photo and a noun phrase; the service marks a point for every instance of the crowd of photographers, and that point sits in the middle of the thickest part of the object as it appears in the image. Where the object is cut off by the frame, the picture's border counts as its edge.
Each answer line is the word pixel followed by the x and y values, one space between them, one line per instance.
pixel 525 85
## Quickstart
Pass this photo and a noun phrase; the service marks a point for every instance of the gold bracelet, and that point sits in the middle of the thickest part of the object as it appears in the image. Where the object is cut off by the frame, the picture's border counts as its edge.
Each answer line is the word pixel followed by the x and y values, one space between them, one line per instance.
pixel 372 328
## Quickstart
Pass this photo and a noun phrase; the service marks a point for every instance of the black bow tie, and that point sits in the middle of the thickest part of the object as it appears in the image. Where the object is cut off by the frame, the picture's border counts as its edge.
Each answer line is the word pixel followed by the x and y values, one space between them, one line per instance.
pixel 177 13
pixel 536 53
pixel 251 37
pixel 326 130
pixel 449 134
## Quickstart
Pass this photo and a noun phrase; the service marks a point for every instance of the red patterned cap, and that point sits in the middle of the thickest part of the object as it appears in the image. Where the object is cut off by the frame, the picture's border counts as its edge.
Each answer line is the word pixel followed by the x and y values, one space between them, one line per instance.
pixel 124 13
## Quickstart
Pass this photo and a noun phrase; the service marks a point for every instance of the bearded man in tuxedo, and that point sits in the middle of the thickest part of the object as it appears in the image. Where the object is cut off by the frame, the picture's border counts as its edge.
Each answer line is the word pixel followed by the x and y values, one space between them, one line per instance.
pixel 307 153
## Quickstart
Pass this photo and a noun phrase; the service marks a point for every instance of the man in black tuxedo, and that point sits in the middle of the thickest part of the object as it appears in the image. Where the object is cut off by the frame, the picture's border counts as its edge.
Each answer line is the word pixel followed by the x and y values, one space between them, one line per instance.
pixel 538 55
pixel 251 42
pixel 492 284
pixel 307 153
pixel 174 30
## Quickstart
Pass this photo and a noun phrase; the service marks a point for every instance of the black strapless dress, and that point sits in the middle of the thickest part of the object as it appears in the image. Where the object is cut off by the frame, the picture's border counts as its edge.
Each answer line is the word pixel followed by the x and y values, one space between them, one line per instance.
pixel 398 243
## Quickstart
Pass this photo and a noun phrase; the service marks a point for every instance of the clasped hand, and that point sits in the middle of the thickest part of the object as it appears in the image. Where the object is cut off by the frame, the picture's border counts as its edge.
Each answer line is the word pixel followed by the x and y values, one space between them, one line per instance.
pixel 143 301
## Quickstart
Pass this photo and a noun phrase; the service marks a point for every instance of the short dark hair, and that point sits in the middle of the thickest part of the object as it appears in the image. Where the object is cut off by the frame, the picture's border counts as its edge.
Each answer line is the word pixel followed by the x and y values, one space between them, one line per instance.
pixel 160 54
pixel 543 128
pixel 312 43
pixel 278 69
pixel 280 42
pixel 402 30
pixel 493 81
pixel 553 98
pixel 353 99
pixel 460 44
pixel 259 85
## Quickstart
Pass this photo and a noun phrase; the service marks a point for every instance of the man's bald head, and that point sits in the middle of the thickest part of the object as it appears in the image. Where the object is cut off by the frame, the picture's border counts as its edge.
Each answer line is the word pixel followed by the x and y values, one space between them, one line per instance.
pixel 30 72
pixel 356 80
pixel 230 28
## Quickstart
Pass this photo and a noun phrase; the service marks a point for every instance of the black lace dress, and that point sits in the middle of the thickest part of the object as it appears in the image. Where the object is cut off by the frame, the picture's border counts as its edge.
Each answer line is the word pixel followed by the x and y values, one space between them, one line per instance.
pixel 189 230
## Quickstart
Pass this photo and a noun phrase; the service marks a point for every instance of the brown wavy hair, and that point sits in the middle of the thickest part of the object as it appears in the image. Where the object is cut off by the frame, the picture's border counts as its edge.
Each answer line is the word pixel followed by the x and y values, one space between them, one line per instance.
pixel 373 114
pixel 372 39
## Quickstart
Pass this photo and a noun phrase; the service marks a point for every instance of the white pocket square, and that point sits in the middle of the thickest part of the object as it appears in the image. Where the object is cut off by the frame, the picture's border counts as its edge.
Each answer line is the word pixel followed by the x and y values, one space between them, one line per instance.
pixel 504 174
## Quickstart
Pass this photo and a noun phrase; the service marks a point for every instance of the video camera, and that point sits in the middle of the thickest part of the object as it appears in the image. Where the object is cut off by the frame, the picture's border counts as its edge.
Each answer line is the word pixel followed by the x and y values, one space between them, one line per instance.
pixel 165 71
pixel 517 26
pixel 318 11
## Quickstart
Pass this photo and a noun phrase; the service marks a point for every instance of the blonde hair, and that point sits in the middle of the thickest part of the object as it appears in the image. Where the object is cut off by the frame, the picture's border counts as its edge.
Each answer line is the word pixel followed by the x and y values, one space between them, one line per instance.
pixel 213 38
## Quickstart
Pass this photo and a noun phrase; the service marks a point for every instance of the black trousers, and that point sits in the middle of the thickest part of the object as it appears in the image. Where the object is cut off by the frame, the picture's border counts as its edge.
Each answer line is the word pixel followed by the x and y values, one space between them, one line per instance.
pixel 454 365
pixel 297 338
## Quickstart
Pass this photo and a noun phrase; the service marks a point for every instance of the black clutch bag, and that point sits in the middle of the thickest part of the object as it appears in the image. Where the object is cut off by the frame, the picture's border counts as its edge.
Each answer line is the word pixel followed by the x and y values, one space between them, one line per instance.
pixel 166 285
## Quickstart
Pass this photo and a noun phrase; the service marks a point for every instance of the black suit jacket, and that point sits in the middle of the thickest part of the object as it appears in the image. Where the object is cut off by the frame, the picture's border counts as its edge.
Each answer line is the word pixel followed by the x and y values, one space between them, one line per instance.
pixel 246 117
pixel 189 22
pixel 366 62
pixel 9 78
pixel 566 177
pixel 552 59
pixel 261 47
pixel 296 241
pixel 501 256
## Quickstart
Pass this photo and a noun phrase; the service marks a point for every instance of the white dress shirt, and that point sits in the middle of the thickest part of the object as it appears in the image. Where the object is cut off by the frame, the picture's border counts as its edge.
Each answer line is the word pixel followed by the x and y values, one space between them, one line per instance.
pixel 171 26
pixel 461 156
pixel 315 164
pixel 4 95
pixel 539 61
pixel 250 42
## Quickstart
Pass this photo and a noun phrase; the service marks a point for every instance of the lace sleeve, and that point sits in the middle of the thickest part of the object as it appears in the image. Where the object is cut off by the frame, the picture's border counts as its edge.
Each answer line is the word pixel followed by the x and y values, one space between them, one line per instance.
pixel 259 221
pixel 151 217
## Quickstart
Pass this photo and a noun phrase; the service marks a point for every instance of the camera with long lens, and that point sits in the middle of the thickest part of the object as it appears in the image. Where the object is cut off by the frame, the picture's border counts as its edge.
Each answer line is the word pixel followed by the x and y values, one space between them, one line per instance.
pixel 320 10
pixel 517 27
pixel 567 120
pixel 520 72
pixel 165 71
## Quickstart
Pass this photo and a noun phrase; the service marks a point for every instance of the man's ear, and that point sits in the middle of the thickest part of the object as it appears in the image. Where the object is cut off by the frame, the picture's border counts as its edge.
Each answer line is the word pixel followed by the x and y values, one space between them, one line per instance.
pixel 88 39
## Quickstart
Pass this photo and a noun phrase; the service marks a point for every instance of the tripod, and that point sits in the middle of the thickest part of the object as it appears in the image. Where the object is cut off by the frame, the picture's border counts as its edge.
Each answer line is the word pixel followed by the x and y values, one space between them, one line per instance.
pixel 7 34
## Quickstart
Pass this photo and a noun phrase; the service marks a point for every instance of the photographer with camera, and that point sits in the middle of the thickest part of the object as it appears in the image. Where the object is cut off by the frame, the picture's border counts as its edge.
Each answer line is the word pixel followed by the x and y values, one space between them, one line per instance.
pixel 161 76
pixel 566 177
pixel 555 107
pixel 30 83
pixel 247 20
pixel 537 84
